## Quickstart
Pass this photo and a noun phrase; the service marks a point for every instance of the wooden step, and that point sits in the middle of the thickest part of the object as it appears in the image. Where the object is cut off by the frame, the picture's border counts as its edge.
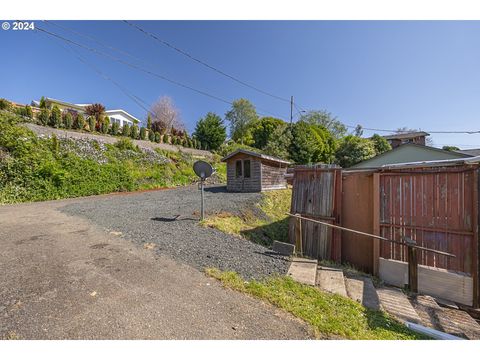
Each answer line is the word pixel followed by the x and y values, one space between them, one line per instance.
pixel 435 317
pixel 331 280
pixel 464 322
pixel 303 270
pixel 361 289
pixel 397 304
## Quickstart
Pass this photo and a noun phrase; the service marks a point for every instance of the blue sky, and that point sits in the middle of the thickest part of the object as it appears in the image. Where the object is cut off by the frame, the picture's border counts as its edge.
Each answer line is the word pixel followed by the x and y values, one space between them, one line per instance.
pixel 379 74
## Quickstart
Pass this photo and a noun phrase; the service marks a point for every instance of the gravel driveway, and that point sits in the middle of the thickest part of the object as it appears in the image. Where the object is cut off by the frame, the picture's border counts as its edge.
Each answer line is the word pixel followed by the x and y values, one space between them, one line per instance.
pixel 169 219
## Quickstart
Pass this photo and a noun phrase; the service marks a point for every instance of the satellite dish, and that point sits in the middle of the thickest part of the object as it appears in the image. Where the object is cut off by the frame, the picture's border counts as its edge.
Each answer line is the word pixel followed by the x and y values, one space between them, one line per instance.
pixel 203 169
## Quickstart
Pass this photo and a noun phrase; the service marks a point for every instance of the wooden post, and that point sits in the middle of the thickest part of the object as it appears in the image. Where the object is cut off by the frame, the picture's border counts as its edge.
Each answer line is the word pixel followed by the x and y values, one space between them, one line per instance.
pixel 376 222
pixel 412 266
pixel 298 235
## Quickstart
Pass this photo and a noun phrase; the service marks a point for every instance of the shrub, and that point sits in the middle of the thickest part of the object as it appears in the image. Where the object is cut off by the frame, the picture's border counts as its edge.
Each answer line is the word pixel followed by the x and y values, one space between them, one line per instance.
pixel 28 111
pixel 55 117
pixel 151 135
pixel 5 104
pixel 43 103
pixel 79 122
pixel 134 132
pixel 115 128
pixel 105 125
pixel 43 116
pixel 143 133
pixel 157 137
pixel 126 130
pixel 91 123
pixel 126 144
pixel 68 121
pixel 165 139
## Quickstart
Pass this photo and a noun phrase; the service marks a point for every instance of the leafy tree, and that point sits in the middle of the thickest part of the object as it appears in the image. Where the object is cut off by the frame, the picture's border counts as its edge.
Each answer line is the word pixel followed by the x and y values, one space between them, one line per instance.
pixel 450 148
pixel 165 115
pixel 380 144
pixel 97 111
pixel 165 139
pixel 91 123
pixel 262 130
pixel 126 130
pixel 157 137
pixel 134 132
pixel 210 130
pixel 279 143
pixel 241 115
pixel 115 128
pixel 44 116
pixel 55 117
pixel 68 120
pixel 325 119
pixel 311 143
pixel 354 149
pixel 79 122
pixel 151 135
pixel 143 133
pixel 358 130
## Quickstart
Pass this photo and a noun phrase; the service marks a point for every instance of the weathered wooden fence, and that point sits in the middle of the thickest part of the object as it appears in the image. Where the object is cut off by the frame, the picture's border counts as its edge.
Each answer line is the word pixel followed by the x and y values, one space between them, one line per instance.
pixel 437 207
pixel 316 196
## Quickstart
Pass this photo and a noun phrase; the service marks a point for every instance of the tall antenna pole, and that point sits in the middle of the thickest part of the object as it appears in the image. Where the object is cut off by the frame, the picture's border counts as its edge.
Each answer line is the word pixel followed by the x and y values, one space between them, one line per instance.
pixel 291 110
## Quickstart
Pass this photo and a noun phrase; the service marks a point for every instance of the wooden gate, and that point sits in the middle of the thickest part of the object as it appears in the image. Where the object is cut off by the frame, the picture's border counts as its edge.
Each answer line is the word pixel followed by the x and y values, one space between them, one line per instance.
pixel 317 195
pixel 438 209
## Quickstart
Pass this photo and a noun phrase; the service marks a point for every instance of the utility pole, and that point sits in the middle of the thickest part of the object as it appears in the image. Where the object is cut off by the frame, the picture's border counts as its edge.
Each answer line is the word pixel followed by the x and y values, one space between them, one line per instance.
pixel 291 110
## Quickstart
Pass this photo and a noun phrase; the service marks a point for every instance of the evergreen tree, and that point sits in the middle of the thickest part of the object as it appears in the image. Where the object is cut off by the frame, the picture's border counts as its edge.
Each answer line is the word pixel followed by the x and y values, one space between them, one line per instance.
pixel 210 130
pixel 55 117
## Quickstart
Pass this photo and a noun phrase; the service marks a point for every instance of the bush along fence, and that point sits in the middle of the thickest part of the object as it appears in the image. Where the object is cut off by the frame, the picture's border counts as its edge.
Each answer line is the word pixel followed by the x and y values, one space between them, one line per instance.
pixel 73 120
pixel 433 206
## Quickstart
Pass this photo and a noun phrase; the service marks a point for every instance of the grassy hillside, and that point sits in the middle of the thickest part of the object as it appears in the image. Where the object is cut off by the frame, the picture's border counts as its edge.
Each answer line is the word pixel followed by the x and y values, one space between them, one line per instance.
pixel 263 224
pixel 36 168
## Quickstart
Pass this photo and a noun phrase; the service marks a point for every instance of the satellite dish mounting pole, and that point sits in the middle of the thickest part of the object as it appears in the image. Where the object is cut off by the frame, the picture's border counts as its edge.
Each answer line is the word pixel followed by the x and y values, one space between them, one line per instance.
pixel 203 170
pixel 202 181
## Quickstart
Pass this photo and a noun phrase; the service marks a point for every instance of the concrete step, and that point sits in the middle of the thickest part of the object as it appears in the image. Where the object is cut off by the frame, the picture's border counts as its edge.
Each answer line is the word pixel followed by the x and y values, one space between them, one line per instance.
pixel 331 280
pixel 397 304
pixel 361 289
pixel 303 270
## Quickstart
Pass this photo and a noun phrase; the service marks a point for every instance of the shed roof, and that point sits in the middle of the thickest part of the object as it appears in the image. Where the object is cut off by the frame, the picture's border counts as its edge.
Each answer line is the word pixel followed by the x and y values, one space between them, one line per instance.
pixel 255 154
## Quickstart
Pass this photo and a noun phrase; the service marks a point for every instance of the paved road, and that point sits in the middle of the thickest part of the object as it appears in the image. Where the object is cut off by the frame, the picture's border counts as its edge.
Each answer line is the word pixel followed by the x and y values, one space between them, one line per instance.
pixel 63 277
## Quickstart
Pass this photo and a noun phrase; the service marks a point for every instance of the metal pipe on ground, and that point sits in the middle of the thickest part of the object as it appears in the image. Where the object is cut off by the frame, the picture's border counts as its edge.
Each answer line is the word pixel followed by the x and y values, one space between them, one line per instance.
pixel 434 334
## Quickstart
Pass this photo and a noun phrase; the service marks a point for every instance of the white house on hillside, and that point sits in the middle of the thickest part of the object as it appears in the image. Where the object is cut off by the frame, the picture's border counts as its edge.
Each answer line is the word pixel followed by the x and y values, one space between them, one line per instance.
pixel 119 116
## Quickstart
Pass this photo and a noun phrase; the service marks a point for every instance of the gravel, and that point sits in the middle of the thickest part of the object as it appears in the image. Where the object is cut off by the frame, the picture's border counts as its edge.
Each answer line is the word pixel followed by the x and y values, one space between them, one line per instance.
pixel 169 219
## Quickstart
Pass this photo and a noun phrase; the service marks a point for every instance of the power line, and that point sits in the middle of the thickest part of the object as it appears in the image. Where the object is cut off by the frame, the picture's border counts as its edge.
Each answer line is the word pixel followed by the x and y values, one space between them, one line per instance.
pixel 470 132
pixel 191 57
pixel 49 22
pixel 139 68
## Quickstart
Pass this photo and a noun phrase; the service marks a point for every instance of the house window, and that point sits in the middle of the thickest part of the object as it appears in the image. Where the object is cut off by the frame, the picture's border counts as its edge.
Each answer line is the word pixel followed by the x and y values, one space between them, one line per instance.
pixel 238 168
pixel 246 168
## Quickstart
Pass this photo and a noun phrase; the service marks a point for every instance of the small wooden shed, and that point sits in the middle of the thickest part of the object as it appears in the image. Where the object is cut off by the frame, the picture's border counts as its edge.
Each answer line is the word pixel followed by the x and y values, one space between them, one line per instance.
pixel 248 171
